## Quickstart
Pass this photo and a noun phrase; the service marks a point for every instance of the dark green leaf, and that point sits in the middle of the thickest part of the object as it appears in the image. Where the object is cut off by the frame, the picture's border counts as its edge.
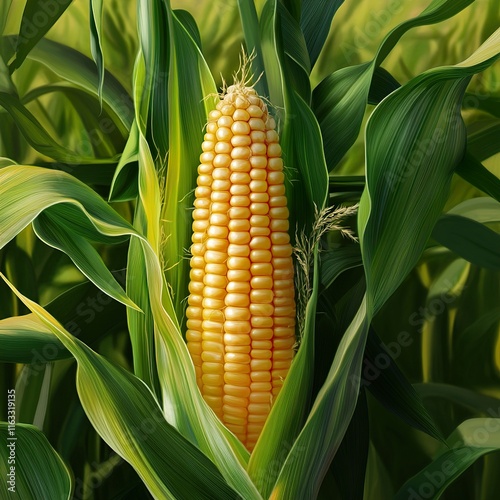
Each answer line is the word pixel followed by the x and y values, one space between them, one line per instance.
pixel 383 84
pixel 187 20
pixel 471 440
pixel 250 24
pixel 349 465
pixel 473 400
pixel 382 377
pixel 469 239
pixel 473 171
pixel 339 101
pixel 84 310
pixel 315 22
pixel 96 14
pixel 38 18
pixel 484 144
pixel 74 67
pixel 36 135
pixel 39 471
pixel 335 262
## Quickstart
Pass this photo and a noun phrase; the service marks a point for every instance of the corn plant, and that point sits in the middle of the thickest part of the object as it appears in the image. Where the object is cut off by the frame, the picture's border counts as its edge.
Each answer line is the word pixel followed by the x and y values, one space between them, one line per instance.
pixel 249 249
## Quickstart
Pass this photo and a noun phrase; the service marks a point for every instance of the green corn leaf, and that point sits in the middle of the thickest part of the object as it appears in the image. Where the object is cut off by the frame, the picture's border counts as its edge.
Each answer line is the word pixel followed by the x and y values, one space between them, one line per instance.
pixel 487 103
pixel 149 84
pixel 272 56
pixel 301 137
pixel 383 84
pixel 440 297
pixel 349 466
pixel 124 185
pixel 96 15
pixel 471 240
pixel 320 438
pixel 72 66
pixel 189 23
pixel 39 471
pixel 52 231
pixel 18 211
pixel 38 18
pixel 296 59
pixel 470 441
pixel 439 126
pixel 23 339
pixel 188 87
pixel 250 24
pixel 473 171
pixel 315 20
pixel 6 84
pixel 4 12
pixel 5 162
pixel 293 40
pixel 20 270
pixel 339 101
pixel 335 262
pixel 33 394
pixel 84 310
pixel 390 386
pixel 391 244
pixel 472 400
pixel 106 131
pixel 126 415
pixel 482 210
pixel 482 144
pixel 36 135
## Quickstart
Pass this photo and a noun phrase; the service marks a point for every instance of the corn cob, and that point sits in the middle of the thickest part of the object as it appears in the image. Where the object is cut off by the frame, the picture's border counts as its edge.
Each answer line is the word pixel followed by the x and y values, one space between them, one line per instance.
pixel 241 307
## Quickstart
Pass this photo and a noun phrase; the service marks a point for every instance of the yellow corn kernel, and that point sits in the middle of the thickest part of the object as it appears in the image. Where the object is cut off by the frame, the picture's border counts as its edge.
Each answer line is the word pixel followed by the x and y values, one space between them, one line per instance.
pixel 241 307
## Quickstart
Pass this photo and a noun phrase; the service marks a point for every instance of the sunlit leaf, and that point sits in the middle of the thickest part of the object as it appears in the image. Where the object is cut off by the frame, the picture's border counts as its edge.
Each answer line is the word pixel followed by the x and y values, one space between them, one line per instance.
pixel 396 130
pixel 129 419
pixel 339 101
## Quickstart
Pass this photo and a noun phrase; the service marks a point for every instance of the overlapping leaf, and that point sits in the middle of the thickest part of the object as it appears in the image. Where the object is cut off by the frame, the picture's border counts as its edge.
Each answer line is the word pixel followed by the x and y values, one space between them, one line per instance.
pixel 471 240
pixel 39 471
pixel 471 440
pixel 189 85
pixel 394 228
pixel 74 67
pixel 129 419
pixel 339 101
pixel 48 188
pixel 315 21
pixel 38 18
pixel 96 39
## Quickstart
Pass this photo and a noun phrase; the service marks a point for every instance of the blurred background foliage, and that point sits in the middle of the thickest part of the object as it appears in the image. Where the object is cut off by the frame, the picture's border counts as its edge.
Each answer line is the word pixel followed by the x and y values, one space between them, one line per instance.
pixel 455 342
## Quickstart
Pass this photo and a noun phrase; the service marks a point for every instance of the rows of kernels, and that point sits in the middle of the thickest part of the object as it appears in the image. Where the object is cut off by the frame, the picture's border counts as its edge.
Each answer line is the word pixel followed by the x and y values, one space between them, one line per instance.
pixel 283 285
pixel 216 268
pixel 237 325
pixel 242 361
pixel 201 214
